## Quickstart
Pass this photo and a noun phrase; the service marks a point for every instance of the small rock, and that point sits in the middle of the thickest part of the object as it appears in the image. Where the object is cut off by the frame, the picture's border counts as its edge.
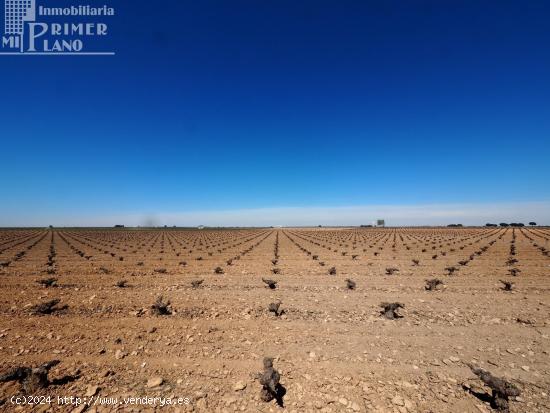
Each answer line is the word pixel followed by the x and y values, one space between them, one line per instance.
pixel 398 401
pixel 119 354
pixel 154 381
pixel 201 404
pixel 230 400
pixel 239 386
pixel 91 390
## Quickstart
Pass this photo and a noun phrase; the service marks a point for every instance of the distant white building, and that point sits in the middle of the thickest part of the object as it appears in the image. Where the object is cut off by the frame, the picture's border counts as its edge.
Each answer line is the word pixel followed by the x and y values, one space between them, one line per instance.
pixel 200 227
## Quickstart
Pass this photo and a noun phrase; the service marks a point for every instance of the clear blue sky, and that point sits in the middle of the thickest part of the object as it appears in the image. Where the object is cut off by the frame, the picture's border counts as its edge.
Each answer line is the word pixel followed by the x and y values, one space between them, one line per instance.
pixel 231 105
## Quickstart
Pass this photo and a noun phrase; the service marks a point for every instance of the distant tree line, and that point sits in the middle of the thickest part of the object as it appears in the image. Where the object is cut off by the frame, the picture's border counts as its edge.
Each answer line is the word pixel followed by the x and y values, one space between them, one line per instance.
pixel 511 224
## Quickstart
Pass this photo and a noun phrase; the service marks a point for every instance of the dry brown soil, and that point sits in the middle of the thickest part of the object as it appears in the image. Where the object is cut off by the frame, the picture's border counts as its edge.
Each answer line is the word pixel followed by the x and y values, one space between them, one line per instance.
pixel 332 348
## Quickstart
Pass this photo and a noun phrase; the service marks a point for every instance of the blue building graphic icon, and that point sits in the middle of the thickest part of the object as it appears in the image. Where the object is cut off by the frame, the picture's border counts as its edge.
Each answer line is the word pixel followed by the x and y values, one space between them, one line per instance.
pixel 17 12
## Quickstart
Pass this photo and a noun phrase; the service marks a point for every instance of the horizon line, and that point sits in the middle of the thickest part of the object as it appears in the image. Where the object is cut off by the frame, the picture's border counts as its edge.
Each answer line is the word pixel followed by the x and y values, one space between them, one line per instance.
pixel 431 215
pixel 454 226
